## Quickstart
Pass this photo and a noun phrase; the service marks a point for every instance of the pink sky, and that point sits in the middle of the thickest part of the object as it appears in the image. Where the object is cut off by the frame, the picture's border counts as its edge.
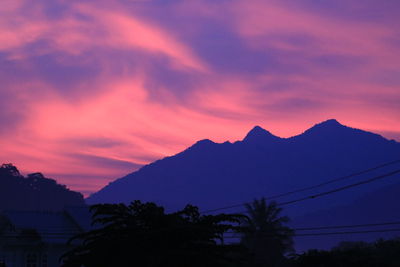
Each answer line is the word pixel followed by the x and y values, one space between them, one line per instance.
pixel 92 90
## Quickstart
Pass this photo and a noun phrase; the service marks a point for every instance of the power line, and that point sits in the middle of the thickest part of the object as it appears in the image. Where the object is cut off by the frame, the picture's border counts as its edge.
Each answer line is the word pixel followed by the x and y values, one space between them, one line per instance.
pixel 60 235
pixel 345 226
pixel 351 232
pixel 341 188
pixel 337 233
pixel 64 235
pixel 336 227
pixel 373 179
pixel 296 229
pixel 309 187
pixel 337 179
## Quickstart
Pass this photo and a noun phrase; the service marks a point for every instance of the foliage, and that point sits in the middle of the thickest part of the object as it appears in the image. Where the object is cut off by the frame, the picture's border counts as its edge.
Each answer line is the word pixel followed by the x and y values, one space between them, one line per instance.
pixel 9 169
pixel 142 234
pixel 382 253
pixel 34 192
pixel 267 238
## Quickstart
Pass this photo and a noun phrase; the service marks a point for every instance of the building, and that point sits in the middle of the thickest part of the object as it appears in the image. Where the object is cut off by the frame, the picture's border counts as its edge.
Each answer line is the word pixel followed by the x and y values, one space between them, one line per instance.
pixel 37 238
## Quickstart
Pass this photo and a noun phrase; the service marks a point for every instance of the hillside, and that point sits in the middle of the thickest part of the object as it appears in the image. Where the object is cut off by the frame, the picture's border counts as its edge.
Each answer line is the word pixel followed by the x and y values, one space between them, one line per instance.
pixel 372 208
pixel 34 192
pixel 212 175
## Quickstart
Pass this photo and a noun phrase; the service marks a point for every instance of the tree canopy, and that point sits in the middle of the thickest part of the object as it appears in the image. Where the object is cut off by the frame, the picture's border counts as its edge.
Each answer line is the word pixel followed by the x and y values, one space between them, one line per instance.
pixel 33 192
pixel 142 234
pixel 382 253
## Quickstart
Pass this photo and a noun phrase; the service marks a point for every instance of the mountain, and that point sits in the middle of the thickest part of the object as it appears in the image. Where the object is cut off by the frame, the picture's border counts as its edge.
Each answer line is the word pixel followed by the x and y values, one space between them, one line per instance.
pixel 379 206
pixel 213 175
pixel 34 192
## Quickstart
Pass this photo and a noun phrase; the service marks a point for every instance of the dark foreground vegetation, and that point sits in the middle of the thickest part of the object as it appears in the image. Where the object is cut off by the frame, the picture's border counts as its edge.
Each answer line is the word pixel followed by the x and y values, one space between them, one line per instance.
pixel 143 234
pixel 33 192
pixel 382 253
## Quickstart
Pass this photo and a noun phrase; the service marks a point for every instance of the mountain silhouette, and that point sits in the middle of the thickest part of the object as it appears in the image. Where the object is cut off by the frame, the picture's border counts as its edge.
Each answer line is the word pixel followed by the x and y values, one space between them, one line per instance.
pixel 34 192
pixel 379 206
pixel 259 136
pixel 212 175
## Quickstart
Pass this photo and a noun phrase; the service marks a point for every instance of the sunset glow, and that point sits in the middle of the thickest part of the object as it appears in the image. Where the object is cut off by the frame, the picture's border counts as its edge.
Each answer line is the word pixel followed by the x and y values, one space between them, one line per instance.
pixel 92 91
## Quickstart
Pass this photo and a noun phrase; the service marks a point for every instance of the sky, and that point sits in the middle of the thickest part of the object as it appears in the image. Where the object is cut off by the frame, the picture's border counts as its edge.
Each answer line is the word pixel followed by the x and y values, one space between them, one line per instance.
pixel 92 90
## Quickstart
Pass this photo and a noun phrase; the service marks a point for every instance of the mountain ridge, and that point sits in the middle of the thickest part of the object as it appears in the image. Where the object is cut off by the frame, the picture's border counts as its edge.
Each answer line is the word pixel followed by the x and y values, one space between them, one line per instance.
pixel 258 135
pixel 212 175
pixel 320 136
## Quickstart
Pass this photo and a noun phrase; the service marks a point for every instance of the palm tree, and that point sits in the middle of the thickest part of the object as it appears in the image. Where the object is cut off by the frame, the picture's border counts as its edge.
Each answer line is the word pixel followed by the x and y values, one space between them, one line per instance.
pixel 266 237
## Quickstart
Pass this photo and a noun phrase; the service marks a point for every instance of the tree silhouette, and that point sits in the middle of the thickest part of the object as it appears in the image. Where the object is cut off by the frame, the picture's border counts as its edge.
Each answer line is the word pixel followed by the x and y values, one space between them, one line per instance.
pixel 33 192
pixel 266 237
pixel 9 169
pixel 142 234
pixel 382 253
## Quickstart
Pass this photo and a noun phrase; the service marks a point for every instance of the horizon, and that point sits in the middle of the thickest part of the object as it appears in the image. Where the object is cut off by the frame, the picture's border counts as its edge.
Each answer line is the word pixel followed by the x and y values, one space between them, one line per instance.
pixel 93 91
pixel 88 194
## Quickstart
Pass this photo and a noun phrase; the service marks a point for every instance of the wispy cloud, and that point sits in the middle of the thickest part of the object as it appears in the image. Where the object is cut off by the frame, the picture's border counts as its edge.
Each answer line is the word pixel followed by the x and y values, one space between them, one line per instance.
pixel 90 91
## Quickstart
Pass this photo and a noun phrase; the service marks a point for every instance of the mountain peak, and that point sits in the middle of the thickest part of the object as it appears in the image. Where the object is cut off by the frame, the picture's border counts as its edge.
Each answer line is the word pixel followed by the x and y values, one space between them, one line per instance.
pixel 328 125
pixel 259 135
pixel 330 129
pixel 201 144
pixel 331 122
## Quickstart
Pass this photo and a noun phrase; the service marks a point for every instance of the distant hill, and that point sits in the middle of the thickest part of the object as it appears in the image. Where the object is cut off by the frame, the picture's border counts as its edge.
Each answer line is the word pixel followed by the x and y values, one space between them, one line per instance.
pixel 213 175
pixel 34 192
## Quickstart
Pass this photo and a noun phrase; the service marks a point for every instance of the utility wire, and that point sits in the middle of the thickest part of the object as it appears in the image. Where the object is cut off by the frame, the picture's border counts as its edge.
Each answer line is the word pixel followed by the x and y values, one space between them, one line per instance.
pixel 298 200
pixel 345 226
pixel 337 179
pixel 340 188
pixel 309 187
pixel 238 236
pixel 351 232
pixel 334 191
pixel 336 233
pixel 295 229
pixel 373 179
pixel 335 227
